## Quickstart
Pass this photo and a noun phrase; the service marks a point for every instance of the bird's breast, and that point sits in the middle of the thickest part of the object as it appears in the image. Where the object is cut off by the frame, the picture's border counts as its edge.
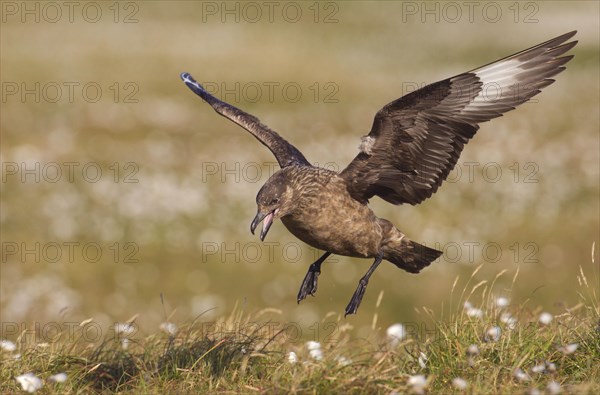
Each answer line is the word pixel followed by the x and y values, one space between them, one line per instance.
pixel 329 219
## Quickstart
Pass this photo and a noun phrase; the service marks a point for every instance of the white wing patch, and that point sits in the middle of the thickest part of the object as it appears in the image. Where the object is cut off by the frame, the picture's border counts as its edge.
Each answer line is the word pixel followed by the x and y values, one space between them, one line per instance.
pixel 366 144
pixel 499 81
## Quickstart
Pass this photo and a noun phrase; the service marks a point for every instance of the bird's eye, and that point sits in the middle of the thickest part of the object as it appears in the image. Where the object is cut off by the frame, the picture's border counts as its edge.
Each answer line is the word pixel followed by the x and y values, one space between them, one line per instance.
pixel 274 201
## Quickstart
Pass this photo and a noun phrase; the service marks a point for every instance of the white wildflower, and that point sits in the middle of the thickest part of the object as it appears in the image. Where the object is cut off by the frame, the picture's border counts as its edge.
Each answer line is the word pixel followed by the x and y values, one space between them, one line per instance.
pixel 540 368
pixel 509 320
pixel 521 375
pixel 533 391
pixel 473 350
pixel 417 380
pixel 7 345
pixel 312 345
pixel 474 312
pixel 553 388
pixel 124 329
pixel 569 348
pixel 396 333
pixel 316 354
pixel 492 334
pixel 169 328
pixel 292 357
pixel 124 344
pixel 460 383
pixel 314 349
pixel 58 378
pixel 30 382
pixel 502 302
pixel 422 360
pixel 544 367
pixel 344 361
pixel 418 383
pixel 546 318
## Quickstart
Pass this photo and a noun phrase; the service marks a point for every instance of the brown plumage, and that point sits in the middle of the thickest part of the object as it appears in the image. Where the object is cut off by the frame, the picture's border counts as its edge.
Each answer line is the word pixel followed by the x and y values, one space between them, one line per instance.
pixel 413 145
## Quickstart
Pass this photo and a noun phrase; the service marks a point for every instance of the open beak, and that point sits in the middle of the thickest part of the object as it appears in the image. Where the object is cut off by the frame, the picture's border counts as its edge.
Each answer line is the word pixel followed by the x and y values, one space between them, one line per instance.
pixel 268 221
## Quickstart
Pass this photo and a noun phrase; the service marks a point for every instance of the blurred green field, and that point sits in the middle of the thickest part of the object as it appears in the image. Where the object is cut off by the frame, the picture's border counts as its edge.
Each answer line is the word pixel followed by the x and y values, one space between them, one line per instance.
pixel 170 212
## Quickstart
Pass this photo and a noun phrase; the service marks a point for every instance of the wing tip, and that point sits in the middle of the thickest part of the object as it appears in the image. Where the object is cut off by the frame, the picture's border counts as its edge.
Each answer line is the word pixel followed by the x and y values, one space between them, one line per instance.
pixel 191 83
pixel 560 42
pixel 187 78
pixel 563 37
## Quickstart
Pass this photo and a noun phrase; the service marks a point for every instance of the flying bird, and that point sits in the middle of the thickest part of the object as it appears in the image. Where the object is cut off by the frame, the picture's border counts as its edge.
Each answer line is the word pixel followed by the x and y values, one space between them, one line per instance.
pixel 414 143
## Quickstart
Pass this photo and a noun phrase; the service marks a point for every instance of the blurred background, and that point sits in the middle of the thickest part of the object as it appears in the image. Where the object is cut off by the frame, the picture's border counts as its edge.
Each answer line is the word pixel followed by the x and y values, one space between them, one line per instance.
pixel 119 184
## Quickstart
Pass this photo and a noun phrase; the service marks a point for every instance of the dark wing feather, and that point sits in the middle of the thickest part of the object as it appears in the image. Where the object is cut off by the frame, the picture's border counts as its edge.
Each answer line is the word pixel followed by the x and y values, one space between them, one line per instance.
pixel 416 140
pixel 285 153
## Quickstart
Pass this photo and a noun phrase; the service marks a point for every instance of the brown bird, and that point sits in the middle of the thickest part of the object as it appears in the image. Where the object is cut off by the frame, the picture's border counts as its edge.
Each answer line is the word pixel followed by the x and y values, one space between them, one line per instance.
pixel 414 143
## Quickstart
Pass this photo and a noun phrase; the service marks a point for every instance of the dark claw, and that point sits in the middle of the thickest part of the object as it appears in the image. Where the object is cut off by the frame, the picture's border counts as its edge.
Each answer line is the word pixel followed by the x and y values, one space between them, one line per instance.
pixel 352 307
pixel 309 285
pixel 362 287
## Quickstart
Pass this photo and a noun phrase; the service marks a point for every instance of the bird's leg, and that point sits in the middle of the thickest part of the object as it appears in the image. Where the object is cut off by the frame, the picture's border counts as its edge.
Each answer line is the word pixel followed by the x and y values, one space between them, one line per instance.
pixel 309 285
pixel 362 287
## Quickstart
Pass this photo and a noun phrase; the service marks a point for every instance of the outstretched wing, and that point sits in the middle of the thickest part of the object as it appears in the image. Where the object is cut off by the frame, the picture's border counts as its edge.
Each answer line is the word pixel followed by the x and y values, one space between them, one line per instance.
pixel 285 153
pixel 416 140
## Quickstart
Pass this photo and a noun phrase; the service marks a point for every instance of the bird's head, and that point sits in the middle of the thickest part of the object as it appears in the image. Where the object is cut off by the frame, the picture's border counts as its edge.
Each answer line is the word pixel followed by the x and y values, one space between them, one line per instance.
pixel 274 200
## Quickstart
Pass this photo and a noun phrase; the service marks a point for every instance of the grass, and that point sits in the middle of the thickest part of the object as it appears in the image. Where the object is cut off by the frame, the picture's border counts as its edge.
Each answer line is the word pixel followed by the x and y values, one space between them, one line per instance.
pixel 234 354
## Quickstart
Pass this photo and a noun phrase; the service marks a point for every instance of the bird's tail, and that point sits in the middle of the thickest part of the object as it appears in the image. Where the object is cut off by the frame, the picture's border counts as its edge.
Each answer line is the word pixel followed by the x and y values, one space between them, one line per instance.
pixel 411 256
